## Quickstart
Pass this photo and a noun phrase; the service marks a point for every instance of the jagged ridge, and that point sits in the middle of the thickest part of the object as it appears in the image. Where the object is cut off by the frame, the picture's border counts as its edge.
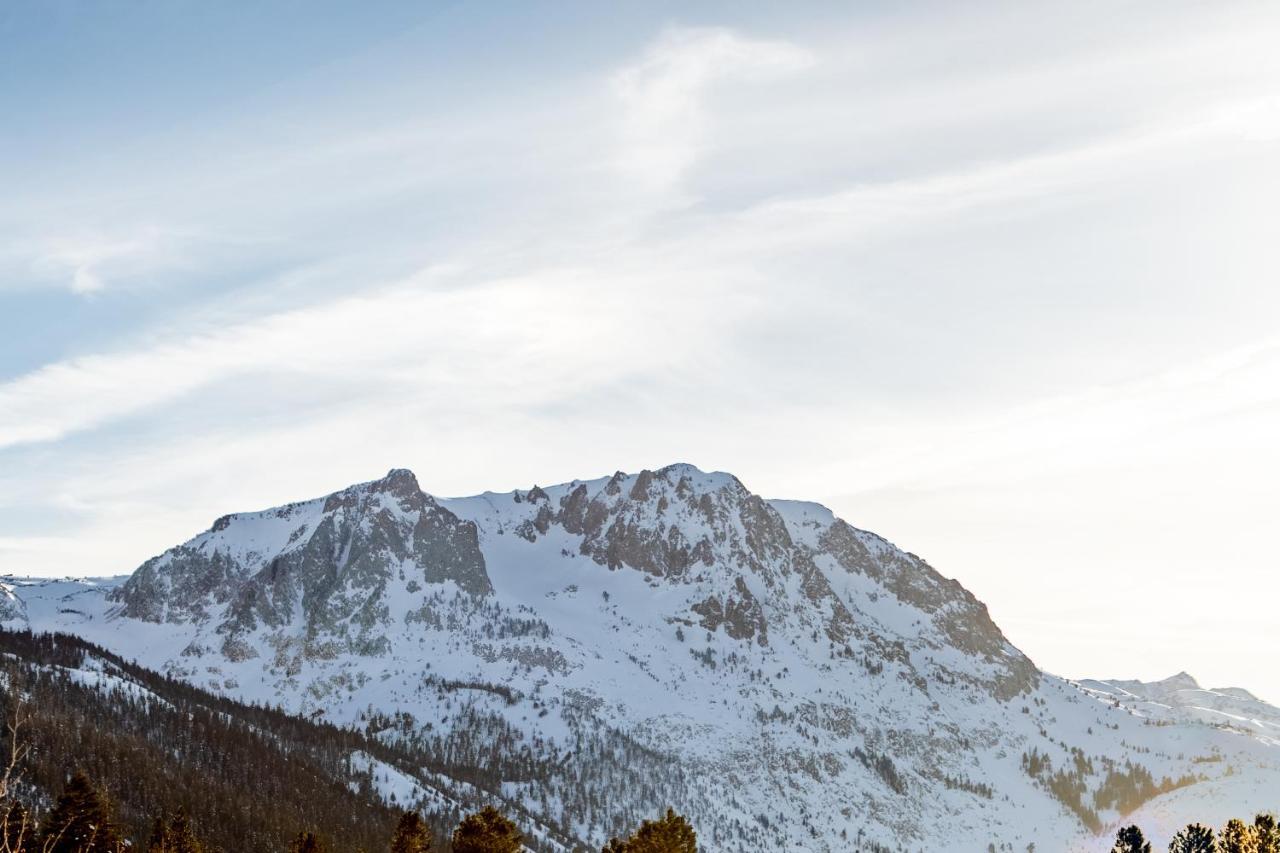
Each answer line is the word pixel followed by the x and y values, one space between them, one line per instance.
pixel 790 679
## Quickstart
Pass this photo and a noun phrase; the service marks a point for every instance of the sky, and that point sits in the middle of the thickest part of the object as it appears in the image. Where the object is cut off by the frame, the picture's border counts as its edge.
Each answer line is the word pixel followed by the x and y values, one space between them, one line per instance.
pixel 997 281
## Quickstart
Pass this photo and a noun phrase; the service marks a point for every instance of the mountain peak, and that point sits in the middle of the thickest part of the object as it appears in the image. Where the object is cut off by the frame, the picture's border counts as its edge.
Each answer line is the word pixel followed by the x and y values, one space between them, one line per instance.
pixel 1182 681
pixel 670 616
pixel 399 481
pixel 677 471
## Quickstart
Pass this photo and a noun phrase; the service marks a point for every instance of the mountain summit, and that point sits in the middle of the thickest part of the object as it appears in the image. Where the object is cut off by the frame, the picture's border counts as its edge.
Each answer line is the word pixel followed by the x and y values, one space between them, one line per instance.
pixel 611 646
pixel 333 570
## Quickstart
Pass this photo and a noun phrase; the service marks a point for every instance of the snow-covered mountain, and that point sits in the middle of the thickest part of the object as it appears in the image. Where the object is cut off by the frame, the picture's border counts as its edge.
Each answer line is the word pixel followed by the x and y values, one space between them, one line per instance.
pixel 619 644
pixel 1180 699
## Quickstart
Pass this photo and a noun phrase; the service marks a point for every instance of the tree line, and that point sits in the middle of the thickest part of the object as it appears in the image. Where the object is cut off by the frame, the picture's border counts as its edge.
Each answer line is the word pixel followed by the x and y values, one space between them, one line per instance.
pixel 250 774
pixel 82 821
pixel 1236 836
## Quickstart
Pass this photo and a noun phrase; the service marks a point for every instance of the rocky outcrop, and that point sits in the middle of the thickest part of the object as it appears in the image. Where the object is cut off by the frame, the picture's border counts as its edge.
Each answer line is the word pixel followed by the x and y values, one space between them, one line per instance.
pixel 13 610
pixel 332 571
pixel 956 613
pixel 739 613
pixel 328 576
pixel 686 527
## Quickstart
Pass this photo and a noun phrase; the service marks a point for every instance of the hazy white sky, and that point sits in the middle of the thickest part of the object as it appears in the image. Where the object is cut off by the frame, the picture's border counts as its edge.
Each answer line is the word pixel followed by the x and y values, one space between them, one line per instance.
pixel 996 281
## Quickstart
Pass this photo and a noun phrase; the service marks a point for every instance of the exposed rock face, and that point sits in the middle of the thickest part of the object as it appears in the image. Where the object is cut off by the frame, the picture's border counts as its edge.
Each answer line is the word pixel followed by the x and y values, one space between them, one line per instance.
pixel 686 527
pixel 13 610
pixel 791 681
pixel 322 566
pixel 961 618
pixel 324 569
pixel 739 613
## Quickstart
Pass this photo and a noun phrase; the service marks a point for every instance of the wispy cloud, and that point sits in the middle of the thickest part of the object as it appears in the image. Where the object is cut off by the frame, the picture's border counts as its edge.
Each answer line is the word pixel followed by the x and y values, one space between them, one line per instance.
pixel 523 340
pixel 665 114
pixel 951 257
pixel 87 260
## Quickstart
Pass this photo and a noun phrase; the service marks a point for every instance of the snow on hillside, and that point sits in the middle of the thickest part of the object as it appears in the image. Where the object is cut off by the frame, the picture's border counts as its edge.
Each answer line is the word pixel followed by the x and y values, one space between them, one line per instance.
pixel 668 637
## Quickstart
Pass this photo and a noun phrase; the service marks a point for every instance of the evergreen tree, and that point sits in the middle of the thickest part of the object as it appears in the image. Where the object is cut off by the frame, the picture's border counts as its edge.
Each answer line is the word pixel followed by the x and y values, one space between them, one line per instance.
pixel 306 842
pixel 1194 838
pixel 1238 837
pixel 1131 840
pixel 670 833
pixel 182 838
pixel 1268 832
pixel 159 840
pixel 411 835
pixel 80 822
pixel 487 831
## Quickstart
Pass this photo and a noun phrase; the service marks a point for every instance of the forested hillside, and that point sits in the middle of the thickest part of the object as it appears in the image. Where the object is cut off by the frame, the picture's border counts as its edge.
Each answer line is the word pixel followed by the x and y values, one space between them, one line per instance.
pixel 249 777
pixel 586 654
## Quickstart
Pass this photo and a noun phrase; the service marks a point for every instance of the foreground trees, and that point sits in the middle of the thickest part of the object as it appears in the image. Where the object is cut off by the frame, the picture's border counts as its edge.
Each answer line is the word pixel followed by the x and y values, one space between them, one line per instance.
pixel 176 836
pixel 411 835
pixel 1194 838
pixel 487 831
pixel 670 833
pixel 17 830
pixel 80 822
pixel 307 842
pixel 1236 836
pixel 1131 840
pixel 1268 833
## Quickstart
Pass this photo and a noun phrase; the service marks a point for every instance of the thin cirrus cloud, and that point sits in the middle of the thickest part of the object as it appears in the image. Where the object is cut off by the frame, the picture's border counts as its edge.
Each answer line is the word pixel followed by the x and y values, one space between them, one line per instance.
pixel 86 263
pixel 519 339
pixel 80 393
pixel 664 120
pixel 92 256
pixel 939 267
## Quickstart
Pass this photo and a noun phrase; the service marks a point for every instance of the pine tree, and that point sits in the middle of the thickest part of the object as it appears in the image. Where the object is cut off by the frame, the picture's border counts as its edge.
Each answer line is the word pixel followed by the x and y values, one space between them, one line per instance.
pixel 159 840
pixel 411 835
pixel 487 831
pixel 306 842
pixel 1238 837
pixel 1131 840
pixel 182 838
pixel 670 833
pixel 80 822
pixel 1194 838
pixel 1268 832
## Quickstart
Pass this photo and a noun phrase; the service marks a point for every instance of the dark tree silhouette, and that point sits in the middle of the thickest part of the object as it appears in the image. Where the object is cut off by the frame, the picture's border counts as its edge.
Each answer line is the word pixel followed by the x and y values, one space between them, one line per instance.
pixel 182 838
pixel 411 835
pixel 1193 838
pixel 670 833
pixel 80 822
pixel 487 831
pixel 159 840
pixel 1130 840
pixel 1268 832
pixel 306 842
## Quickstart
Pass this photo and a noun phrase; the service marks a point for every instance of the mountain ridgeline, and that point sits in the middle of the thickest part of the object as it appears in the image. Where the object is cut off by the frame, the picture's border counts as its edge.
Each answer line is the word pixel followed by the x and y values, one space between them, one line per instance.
pixel 591 652
pixel 332 573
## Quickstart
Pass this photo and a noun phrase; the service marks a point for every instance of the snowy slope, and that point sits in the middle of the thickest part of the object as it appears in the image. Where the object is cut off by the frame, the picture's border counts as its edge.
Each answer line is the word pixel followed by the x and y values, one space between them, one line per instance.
pixel 670 637
pixel 1180 699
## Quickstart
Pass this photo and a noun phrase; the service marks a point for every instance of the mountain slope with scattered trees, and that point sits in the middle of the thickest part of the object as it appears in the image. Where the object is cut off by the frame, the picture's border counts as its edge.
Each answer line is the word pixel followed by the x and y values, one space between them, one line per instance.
pixel 591 652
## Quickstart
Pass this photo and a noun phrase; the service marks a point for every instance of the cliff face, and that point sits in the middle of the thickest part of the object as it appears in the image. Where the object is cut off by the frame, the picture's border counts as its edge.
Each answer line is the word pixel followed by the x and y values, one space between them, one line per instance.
pixel 621 644
pixel 320 568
